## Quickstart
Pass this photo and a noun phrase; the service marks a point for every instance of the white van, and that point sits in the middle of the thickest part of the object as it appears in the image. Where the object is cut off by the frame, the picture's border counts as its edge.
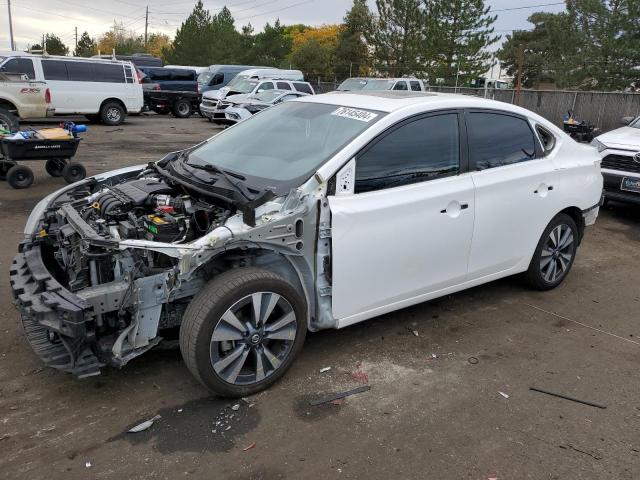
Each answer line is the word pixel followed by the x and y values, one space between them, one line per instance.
pixel 102 89
pixel 198 70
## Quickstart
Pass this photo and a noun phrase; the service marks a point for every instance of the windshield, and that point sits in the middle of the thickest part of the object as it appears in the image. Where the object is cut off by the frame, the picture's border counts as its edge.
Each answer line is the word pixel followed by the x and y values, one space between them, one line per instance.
pixel 635 123
pixel 205 77
pixel 242 86
pixel 268 96
pixel 352 84
pixel 381 84
pixel 285 142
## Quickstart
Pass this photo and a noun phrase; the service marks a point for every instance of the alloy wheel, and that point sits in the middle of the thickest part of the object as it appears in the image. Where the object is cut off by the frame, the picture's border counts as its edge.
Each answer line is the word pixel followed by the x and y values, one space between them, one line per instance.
pixel 113 114
pixel 557 253
pixel 253 338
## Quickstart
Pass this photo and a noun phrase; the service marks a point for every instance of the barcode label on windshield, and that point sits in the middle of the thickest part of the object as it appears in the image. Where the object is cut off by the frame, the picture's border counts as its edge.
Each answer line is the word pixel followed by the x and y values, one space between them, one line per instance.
pixel 354 114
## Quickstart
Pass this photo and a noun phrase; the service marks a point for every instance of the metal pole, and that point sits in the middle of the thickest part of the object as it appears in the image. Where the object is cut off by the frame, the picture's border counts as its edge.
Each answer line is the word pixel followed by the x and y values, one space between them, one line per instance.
pixel 76 41
pixel 519 81
pixel 457 75
pixel 350 67
pixel 146 25
pixel 12 43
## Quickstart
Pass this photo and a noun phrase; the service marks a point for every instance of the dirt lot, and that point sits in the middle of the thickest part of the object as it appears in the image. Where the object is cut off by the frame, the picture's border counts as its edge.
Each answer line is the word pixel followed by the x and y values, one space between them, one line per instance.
pixel 430 413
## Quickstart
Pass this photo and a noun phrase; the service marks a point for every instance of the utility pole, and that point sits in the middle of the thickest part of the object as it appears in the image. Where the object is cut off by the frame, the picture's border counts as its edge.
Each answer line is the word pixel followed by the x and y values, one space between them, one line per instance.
pixel 76 41
pixel 146 25
pixel 519 80
pixel 12 43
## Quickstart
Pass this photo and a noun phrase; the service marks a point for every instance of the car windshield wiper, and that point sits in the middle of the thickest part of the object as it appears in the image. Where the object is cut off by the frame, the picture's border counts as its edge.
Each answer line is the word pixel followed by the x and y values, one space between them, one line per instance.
pixel 241 189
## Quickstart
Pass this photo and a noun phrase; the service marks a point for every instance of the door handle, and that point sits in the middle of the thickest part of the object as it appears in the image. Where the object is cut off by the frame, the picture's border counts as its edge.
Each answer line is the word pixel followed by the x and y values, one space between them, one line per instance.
pixel 462 206
pixel 548 189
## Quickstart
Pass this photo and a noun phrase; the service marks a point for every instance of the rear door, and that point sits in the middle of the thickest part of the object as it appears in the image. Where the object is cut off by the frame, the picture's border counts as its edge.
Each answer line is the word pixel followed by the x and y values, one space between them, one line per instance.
pixel 515 196
pixel 406 230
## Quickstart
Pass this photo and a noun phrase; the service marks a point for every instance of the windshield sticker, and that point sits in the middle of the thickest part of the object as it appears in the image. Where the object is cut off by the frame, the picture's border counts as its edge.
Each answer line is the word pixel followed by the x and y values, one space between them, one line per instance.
pixel 355 114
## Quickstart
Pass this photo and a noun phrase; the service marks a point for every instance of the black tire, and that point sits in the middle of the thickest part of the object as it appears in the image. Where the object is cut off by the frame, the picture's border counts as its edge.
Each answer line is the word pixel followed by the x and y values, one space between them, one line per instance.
pixel 5 166
pixel 112 113
pixel 182 109
pixel 537 276
pixel 8 120
pixel 55 166
pixel 20 177
pixel 204 314
pixel 73 172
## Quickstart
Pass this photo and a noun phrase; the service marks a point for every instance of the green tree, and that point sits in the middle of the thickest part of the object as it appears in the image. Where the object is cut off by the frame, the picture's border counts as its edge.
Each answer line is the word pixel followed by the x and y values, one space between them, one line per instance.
pixel 54 45
pixel 225 39
pixel 352 52
pixel 271 46
pixel 459 32
pixel 397 36
pixel 86 46
pixel 192 43
pixel 546 55
pixel 608 37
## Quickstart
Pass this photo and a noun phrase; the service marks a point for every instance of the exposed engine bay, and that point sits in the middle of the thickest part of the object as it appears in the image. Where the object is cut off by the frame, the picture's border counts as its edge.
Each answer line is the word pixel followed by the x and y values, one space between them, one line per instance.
pixel 109 265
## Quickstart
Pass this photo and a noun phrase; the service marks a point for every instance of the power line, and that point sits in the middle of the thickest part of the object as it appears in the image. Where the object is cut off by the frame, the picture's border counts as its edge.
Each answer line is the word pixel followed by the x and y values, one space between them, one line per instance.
pixel 276 10
pixel 526 7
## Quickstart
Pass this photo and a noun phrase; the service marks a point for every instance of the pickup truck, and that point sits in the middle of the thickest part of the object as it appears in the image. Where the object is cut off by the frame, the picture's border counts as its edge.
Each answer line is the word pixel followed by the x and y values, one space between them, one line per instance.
pixel 22 99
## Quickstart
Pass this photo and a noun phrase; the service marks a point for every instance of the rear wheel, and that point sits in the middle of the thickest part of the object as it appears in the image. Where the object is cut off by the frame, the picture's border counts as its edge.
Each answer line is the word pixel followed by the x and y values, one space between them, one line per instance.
pixel 20 176
pixel 182 109
pixel 242 331
pixel 554 254
pixel 8 121
pixel 55 166
pixel 74 172
pixel 112 113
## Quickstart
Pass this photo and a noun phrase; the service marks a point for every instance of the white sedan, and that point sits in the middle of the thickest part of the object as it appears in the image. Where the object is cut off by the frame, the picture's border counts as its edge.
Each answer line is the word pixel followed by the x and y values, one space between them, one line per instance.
pixel 318 213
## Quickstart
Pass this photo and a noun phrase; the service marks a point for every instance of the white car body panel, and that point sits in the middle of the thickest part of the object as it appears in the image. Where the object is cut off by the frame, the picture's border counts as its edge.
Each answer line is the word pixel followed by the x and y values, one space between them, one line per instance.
pixel 371 267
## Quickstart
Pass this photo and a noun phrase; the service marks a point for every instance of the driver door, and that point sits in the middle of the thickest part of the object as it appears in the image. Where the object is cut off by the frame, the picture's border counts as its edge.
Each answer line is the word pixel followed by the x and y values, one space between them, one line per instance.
pixel 405 231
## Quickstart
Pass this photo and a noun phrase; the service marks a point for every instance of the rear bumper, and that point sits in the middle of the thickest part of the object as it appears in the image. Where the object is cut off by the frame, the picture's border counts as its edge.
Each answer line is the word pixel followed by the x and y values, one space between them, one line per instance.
pixel 612 190
pixel 54 319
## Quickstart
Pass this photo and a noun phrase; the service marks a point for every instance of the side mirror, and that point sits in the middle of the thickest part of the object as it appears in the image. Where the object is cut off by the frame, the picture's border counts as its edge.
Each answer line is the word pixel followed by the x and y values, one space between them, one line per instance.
pixel 626 120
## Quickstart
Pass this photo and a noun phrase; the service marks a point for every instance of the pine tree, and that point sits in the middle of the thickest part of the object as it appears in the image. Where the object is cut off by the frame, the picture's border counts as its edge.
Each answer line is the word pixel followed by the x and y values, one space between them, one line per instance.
pixel 193 40
pixel 225 47
pixel 54 45
pixel 86 46
pixel 397 36
pixel 272 46
pixel 352 52
pixel 461 31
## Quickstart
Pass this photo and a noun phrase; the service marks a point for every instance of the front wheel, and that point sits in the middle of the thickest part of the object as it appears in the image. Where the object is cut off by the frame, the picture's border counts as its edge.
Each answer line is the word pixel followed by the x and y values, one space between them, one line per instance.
pixel 554 254
pixel 242 331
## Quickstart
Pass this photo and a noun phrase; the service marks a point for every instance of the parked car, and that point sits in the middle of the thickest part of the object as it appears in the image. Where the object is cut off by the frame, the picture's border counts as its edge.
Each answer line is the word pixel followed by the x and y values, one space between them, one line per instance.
pixel 22 99
pixel 242 83
pixel 317 213
pixel 620 153
pixel 174 79
pixel 218 76
pixel 240 107
pixel 180 104
pixel 405 83
pixel 213 102
pixel 101 89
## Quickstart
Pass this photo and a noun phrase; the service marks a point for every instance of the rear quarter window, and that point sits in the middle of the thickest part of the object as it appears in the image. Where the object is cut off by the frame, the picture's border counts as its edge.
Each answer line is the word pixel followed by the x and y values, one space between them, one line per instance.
pixel 303 87
pixel 111 73
pixel 54 70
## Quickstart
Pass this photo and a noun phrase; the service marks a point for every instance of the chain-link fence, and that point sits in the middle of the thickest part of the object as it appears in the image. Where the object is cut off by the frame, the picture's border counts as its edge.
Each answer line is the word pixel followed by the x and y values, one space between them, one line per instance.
pixel 602 109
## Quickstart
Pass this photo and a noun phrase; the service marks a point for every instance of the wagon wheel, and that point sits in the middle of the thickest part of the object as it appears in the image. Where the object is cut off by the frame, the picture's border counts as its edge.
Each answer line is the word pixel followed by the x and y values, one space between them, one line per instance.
pixel 5 165
pixel 54 166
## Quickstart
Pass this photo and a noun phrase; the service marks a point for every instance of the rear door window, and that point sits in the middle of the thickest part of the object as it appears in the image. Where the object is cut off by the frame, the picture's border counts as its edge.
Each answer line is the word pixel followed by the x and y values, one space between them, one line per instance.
pixel 105 72
pixel 283 86
pixel 54 70
pixel 303 87
pixel 20 65
pixel 401 85
pixel 415 86
pixel 80 71
pixel 497 139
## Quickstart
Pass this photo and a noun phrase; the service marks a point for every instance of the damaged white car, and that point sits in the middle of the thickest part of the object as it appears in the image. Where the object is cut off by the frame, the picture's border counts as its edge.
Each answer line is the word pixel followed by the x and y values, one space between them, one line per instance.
pixel 316 213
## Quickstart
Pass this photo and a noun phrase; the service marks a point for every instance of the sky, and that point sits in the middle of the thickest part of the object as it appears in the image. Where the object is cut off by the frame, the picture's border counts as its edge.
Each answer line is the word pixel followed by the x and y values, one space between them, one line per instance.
pixel 32 18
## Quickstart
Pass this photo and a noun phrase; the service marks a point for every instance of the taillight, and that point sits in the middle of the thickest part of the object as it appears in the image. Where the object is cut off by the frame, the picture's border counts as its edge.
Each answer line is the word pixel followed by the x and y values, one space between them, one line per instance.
pixel 138 75
pixel 157 87
pixel 47 96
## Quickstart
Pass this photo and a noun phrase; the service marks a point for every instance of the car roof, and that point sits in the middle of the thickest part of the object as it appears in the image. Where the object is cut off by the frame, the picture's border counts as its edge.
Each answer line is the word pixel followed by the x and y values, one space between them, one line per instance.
pixel 391 100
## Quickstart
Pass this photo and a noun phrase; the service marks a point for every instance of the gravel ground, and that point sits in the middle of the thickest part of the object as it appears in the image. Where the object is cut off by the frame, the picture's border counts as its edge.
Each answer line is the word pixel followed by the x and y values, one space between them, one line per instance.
pixel 436 372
